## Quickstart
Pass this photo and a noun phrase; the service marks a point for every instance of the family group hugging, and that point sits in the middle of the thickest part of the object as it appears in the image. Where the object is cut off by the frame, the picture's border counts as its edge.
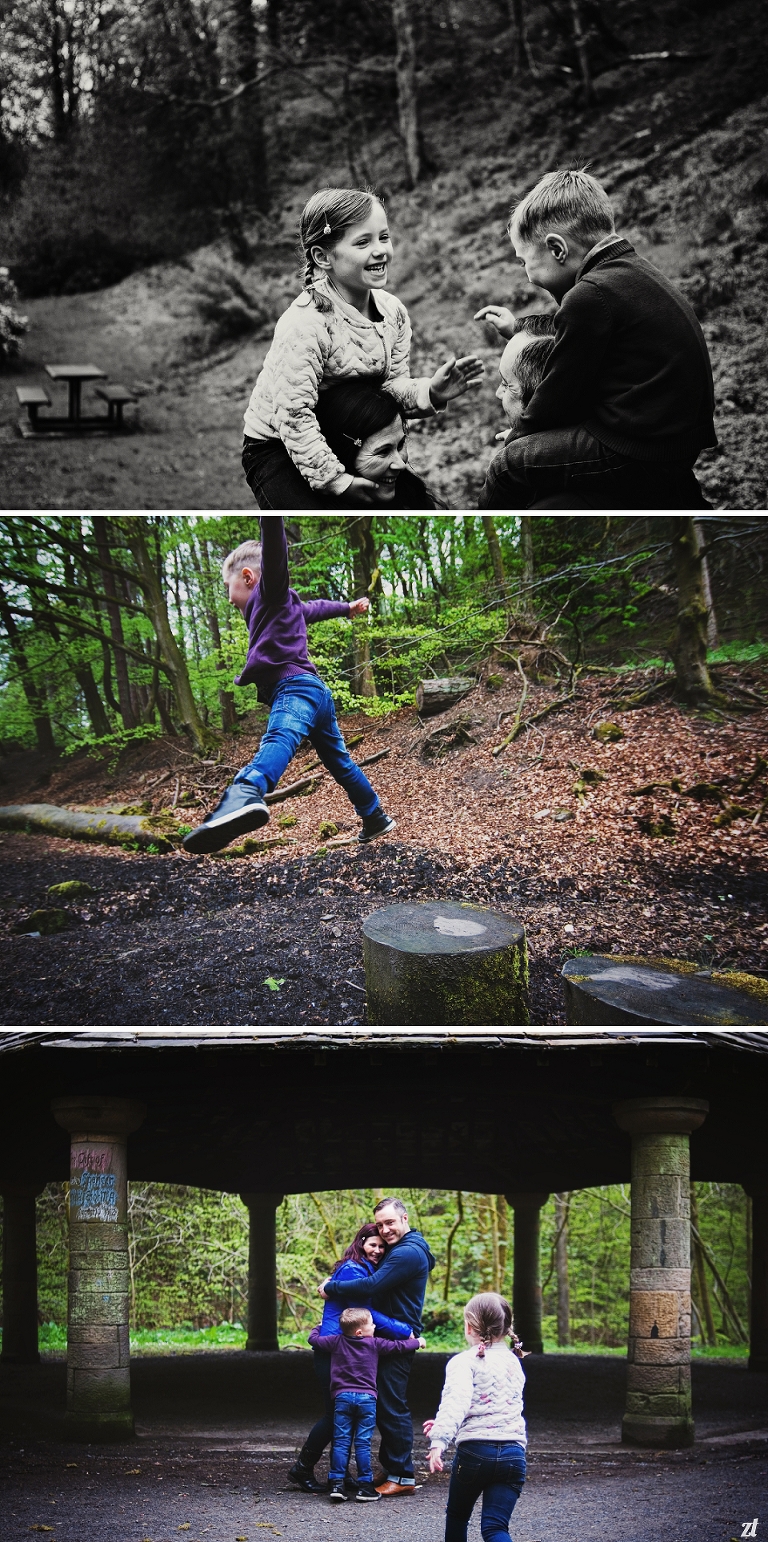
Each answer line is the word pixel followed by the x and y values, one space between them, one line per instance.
pixel 608 398
pixel 363 1351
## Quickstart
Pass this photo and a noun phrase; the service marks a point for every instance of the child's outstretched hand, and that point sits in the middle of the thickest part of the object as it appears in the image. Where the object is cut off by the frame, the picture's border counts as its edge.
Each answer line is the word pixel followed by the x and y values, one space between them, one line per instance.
pixel 428 1426
pixel 501 318
pixel 359 607
pixel 454 377
pixel 434 1460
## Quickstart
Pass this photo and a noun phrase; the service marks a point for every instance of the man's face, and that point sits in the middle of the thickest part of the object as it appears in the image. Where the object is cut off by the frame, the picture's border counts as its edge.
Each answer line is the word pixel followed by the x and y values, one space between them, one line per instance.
pixel 392 1225
pixel 508 391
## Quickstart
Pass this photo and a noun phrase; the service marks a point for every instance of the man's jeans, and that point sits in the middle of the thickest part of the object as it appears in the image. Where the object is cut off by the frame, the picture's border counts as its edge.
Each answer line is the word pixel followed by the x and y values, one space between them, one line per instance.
pixel 354 1414
pixel 573 462
pixel 394 1416
pixel 495 1469
pixel 303 705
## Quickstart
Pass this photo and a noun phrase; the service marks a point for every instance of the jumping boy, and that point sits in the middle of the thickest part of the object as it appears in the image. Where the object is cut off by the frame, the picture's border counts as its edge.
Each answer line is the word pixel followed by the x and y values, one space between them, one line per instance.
pixel 626 403
pixel 256 579
pixel 354 1364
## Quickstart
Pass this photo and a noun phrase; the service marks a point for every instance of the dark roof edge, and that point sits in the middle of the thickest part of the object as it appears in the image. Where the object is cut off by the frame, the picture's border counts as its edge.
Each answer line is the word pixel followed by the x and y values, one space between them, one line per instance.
pixel 15 1041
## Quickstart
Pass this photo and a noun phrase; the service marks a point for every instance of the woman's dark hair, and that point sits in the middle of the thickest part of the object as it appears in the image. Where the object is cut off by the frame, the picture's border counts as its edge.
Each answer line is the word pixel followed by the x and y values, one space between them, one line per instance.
pixel 349 411
pixel 355 1250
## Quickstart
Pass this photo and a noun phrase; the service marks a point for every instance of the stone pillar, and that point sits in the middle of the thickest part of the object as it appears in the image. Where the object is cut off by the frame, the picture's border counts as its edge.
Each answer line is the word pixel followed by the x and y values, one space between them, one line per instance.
pixel 526 1279
pixel 98 1358
pixel 262 1271
pixel 658 1408
pixel 758 1315
pixel 19 1274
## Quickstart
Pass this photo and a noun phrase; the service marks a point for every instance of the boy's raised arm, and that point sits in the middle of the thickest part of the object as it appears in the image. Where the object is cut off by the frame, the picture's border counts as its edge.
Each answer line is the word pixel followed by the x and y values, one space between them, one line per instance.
pixel 274 559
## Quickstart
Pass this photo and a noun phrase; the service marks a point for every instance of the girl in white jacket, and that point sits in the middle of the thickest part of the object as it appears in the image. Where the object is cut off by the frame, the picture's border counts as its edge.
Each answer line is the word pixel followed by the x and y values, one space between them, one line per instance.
pixel 343 324
pixel 482 1410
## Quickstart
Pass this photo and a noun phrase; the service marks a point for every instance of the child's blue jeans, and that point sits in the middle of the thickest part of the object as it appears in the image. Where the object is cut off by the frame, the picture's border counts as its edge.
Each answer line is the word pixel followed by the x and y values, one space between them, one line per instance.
pixel 303 705
pixel 493 1468
pixel 354 1415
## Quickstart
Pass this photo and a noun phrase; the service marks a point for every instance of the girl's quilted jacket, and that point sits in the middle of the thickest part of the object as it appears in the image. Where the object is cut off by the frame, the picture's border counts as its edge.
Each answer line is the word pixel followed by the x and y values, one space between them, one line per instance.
pixel 314 345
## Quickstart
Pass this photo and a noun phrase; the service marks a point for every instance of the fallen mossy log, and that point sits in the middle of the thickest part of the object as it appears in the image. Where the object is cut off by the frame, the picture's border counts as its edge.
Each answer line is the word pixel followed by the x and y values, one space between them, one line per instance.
pixel 103 825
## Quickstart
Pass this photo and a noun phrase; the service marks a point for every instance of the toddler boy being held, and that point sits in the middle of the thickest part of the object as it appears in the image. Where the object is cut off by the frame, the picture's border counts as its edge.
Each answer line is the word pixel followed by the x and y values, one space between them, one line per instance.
pixel 354 1363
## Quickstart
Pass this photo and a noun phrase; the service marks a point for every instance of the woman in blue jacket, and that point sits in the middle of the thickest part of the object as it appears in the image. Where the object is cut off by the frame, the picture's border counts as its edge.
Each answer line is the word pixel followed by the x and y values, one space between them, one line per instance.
pixel 360 1261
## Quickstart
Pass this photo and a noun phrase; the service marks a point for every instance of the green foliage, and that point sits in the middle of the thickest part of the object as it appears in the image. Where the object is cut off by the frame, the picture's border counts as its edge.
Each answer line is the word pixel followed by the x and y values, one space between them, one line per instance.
pixel 12 324
pixel 188 1260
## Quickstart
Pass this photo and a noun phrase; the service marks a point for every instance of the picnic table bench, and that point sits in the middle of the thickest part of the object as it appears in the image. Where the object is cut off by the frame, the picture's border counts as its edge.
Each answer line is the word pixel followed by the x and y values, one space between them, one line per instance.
pixel 33 397
pixel 75 375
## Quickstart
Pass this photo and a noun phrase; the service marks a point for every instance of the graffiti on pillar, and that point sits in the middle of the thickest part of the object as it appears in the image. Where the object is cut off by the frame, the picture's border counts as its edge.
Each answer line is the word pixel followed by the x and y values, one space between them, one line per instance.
pixel 93 1190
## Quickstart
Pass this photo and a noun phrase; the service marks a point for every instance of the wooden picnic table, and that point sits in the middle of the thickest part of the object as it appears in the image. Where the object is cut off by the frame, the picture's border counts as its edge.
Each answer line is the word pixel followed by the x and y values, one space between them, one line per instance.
pixel 74 374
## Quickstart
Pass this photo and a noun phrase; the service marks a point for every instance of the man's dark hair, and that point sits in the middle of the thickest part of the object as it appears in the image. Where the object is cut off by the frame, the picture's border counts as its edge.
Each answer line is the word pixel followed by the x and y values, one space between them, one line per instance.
pixel 529 366
pixel 397 1204
pixel 538 324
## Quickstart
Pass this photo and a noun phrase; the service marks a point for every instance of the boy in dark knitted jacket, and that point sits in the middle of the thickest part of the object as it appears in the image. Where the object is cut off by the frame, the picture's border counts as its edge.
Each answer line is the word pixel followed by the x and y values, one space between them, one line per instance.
pixel 626 403
pixel 354 1365
pixel 256 579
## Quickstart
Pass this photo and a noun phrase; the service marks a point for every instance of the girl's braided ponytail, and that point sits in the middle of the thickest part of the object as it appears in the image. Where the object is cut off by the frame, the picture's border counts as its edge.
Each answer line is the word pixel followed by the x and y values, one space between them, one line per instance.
pixel 490 1317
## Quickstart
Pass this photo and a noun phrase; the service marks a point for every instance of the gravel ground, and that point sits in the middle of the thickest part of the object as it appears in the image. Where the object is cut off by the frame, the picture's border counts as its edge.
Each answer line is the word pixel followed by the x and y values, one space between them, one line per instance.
pixel 216 1431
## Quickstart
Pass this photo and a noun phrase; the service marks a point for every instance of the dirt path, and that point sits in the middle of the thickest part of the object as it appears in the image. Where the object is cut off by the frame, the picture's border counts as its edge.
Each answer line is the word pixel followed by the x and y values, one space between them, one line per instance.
pixel 171 940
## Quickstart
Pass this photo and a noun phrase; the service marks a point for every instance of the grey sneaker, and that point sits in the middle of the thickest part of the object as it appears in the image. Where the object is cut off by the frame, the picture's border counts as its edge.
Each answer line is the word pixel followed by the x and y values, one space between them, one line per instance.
pixel 376 824
pixel 239 810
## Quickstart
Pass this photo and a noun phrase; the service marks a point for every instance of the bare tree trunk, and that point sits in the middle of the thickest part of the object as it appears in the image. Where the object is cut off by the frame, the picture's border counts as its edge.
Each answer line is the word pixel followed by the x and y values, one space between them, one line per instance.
pixel 521 58
pixel 689 647
pixel 35 697
pixel 701 1275
pixel 112 603
pixel 407 91
pixel 582 51
pixel 501 1211
pixel 562 1207
pixel 707 588
pixel 497 561
pixel 157 611
pixel 449 1244
pixel 495 1255
pixel 250 158
pixel 203 566
pixel 364 568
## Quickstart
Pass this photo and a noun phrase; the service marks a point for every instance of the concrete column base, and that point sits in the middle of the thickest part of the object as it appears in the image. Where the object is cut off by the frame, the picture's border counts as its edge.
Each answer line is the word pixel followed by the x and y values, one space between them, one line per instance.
pixel 110 1427
pixel 657 1430
pixel 261 1346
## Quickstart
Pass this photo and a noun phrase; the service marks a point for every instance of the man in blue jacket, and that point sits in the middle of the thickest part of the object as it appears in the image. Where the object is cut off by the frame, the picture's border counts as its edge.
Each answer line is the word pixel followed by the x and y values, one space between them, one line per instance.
pixel 397 1288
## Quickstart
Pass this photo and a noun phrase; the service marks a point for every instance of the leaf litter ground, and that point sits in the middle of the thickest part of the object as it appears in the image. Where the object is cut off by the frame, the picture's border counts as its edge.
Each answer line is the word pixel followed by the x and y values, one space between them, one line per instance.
pixel 275 937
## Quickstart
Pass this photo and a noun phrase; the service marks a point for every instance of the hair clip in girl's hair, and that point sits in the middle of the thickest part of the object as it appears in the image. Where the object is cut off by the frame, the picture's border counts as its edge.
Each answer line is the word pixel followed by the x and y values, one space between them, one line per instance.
pixel 358 443
pixel 326 228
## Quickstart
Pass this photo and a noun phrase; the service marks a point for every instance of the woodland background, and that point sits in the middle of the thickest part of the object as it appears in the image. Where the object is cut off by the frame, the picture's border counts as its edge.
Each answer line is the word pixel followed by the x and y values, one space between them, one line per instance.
pixel 154 158
pixel 114 630
pixel 188 1256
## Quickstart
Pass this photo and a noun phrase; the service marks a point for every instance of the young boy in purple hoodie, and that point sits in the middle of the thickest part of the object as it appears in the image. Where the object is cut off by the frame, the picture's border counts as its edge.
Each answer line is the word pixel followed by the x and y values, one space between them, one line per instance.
pixel 256 579
pixel 354 1364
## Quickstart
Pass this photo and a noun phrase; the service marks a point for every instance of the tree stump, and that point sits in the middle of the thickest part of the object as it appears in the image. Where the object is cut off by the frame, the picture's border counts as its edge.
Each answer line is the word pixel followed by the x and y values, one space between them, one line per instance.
pixel 443 964
pixel 611 992
pixel 438 695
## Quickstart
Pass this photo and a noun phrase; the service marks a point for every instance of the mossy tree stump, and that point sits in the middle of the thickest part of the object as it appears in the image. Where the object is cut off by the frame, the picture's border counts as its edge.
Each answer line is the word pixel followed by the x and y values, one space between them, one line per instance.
pixel 442 964
pixel 609 992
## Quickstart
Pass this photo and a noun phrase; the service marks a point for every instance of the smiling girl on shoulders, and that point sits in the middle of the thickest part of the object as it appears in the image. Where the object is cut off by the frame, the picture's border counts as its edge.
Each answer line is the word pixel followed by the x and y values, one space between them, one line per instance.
pixel 343 325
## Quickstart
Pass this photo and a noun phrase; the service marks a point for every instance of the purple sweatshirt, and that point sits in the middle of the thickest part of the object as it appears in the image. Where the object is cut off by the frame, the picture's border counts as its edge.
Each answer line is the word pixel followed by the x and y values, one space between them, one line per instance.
pixel 354 1362
pixel 277 618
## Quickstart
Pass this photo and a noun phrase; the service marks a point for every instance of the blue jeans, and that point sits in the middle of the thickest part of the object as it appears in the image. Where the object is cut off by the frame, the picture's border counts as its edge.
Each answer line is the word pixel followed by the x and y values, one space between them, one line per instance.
pixel 303 705
pixel 394 1416
pixel 493 1468
pixel 354 1414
